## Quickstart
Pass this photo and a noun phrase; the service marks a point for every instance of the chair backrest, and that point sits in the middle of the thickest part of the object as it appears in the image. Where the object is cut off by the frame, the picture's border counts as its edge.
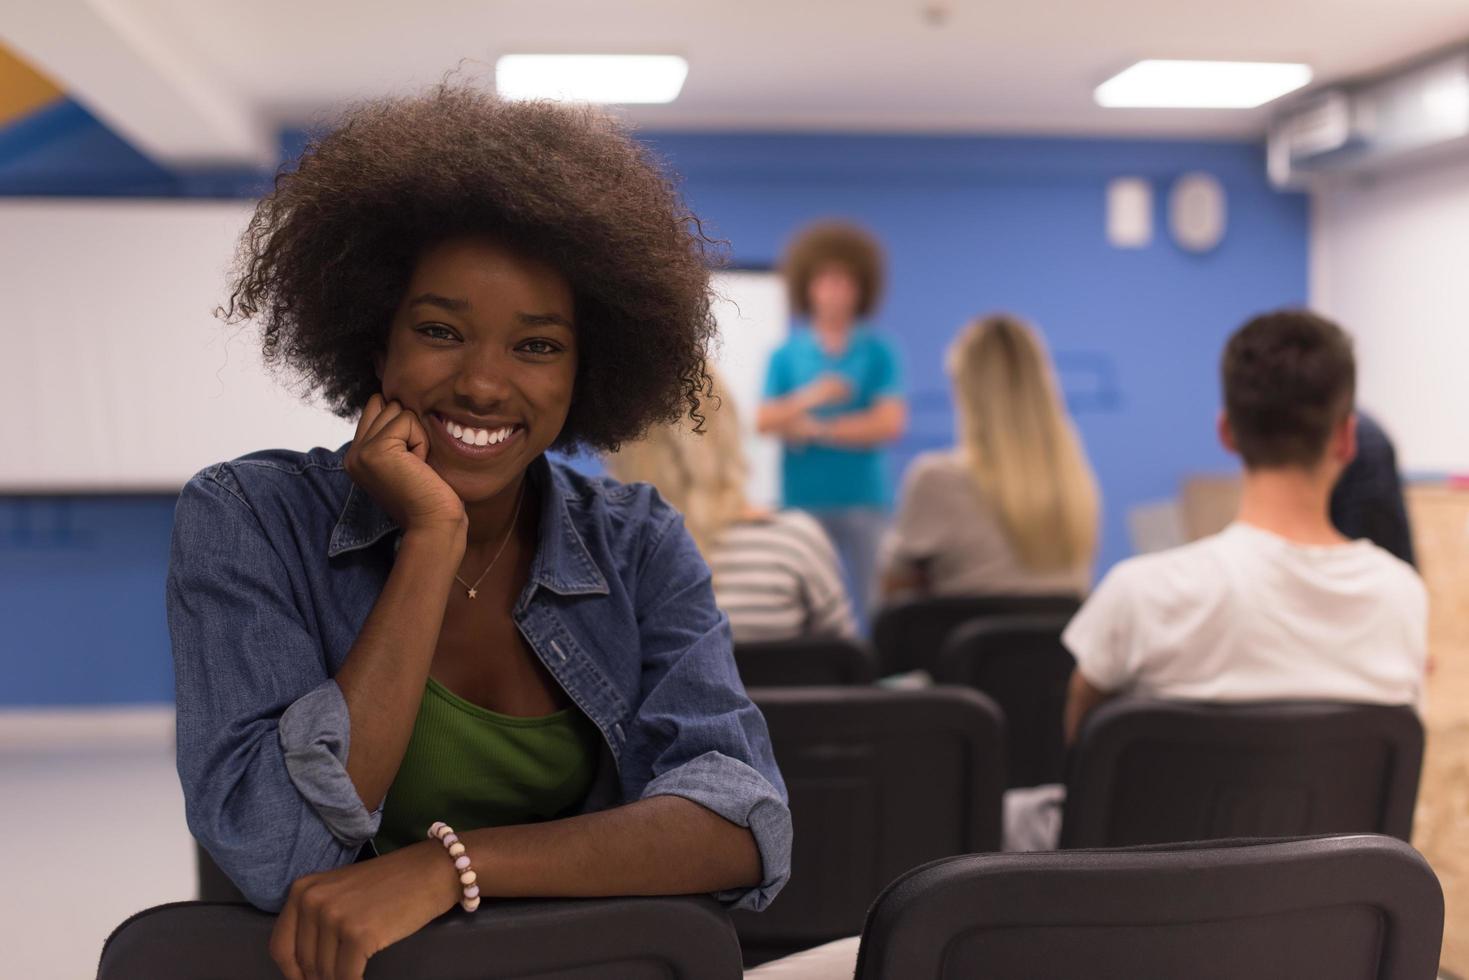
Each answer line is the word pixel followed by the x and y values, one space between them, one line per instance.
pixel 1145 772
pixel 1350 908
pixel 909 635
pixel 880 781
pixel 632 938
pixel 214 884
pixel 1020 663
pixel 805 662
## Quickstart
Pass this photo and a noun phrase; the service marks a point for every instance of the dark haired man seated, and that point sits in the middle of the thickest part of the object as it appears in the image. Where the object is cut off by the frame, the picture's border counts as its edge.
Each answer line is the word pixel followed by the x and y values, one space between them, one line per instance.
pixel 1277 606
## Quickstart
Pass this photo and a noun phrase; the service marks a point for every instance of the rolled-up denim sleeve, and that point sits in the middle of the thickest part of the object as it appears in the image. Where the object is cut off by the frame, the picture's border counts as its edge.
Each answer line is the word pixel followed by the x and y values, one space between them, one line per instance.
pixel 739 794
pixel 315 735
pixel 263 732
pixel 696 734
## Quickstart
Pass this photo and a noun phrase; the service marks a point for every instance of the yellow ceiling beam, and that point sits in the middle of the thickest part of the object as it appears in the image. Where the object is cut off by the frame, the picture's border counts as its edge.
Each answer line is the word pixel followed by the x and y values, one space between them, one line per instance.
pixel 22 89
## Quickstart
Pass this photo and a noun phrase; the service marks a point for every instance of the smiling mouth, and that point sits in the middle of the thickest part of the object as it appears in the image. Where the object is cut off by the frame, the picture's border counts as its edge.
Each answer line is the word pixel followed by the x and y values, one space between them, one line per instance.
pixel 475 442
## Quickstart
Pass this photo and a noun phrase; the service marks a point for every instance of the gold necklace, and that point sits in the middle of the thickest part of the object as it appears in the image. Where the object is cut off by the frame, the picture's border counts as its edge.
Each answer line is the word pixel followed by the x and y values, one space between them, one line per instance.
pixel 473 589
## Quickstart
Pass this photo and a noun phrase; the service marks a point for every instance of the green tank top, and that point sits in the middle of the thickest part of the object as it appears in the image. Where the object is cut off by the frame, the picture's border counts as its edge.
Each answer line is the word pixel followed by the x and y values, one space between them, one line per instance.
pixel 471 767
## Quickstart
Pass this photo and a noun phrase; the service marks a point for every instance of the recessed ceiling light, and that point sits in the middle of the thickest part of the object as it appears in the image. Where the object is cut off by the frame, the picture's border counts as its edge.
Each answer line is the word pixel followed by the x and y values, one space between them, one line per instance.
pixel 608 78
pixel 1201 84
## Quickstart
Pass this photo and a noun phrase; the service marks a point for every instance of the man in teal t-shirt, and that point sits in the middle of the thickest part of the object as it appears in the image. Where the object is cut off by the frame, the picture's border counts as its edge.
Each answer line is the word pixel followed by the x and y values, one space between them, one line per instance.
pixel 834 393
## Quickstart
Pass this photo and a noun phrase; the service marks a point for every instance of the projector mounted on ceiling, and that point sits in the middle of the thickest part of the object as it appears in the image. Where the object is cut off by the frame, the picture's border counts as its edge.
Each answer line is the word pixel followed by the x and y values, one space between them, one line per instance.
pixel 1416 114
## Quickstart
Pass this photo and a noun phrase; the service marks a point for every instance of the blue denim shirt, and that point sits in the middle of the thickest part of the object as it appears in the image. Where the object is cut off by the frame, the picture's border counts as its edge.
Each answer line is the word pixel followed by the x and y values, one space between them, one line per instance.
pixel 278 558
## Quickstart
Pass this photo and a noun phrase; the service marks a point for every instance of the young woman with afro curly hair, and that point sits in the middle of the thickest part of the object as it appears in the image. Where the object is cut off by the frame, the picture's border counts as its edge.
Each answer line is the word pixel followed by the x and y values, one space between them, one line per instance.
pixel 435 622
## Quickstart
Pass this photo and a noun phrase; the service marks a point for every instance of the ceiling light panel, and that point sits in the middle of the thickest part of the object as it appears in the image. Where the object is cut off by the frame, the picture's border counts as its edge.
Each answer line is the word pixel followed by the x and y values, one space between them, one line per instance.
pixel 605 78
pixel 1157 84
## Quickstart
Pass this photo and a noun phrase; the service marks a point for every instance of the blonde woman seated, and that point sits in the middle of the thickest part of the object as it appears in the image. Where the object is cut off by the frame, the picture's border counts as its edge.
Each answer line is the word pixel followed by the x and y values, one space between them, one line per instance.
pixel 776 573
pixel 1010 510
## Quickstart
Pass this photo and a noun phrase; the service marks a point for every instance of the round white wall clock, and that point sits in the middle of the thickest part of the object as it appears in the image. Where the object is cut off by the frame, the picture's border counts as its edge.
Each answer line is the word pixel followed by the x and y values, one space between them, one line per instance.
pixel 1197 212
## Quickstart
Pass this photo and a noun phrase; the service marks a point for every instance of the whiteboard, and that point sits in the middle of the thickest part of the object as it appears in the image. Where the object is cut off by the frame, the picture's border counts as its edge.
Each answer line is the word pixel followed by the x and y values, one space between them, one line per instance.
pixel 115 357
pixel 753 321
pixel 123 380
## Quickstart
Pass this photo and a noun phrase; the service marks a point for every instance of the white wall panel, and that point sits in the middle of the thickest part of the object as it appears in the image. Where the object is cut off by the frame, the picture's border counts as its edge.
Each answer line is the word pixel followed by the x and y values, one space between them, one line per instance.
pixel 753 321
pixel 1390 262
pixel 115 374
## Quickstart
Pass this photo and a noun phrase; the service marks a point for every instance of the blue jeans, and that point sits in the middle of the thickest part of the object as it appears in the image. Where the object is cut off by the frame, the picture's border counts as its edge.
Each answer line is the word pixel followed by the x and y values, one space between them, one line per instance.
pixel 857 534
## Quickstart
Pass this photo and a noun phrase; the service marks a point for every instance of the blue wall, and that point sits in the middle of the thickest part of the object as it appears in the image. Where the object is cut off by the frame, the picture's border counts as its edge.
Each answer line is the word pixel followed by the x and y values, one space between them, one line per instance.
pixel 81 600
pixel 971 224
pixel 974 225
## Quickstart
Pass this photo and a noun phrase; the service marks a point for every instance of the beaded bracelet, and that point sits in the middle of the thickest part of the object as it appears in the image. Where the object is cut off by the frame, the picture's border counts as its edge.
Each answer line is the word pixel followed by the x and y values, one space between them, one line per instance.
pixel 445 835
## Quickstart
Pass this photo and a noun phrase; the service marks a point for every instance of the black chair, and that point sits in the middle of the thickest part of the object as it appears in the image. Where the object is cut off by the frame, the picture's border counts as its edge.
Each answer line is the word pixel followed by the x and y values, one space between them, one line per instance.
pixel 1145 772
pixel 1348 908
pixel 214 884
pixel 1020 663
pixel 805 662
pixel 908 635
pixel 880 781
pixel 572 939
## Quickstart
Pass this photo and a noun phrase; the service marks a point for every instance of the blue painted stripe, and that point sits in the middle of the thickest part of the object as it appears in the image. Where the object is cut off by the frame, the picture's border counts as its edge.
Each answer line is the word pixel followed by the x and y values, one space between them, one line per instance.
pixel 63 150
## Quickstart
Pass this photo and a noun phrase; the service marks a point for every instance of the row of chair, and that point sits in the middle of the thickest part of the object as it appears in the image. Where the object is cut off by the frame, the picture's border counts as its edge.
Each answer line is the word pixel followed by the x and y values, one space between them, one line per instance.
pixel 882 781
pixel 1362 907
pixel 1017 660
pixel 911 634
pixel 907 636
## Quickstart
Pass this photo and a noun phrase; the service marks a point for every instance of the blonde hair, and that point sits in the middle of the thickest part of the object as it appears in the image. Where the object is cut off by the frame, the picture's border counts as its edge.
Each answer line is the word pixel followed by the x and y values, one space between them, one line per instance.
pixel 700 474
pixel 1020 445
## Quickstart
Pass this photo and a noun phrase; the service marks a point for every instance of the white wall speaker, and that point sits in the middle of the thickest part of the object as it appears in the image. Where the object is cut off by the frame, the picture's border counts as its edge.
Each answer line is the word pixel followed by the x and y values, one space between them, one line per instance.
pixel 1129 212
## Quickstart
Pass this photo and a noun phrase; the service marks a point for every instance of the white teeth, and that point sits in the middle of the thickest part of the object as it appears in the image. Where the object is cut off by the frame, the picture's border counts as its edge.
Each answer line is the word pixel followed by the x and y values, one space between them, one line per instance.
pixel 478 437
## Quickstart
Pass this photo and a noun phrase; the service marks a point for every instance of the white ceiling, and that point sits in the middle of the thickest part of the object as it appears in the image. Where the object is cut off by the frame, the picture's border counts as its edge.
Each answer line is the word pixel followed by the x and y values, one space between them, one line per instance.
pixel 874 65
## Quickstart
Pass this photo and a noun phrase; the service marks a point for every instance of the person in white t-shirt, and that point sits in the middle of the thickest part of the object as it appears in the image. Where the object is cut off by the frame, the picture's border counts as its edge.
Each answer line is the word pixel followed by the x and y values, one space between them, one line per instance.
pixel 1279 605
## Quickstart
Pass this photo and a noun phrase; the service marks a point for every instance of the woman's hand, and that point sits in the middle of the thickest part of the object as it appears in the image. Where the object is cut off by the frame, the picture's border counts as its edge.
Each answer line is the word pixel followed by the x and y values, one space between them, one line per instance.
pixel 804 429
pixel 389 459
pixel 334 921
pixel 829 389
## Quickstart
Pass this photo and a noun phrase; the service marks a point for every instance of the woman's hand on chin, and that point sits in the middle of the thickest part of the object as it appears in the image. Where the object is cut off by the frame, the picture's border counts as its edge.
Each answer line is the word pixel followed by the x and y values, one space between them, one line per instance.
pixel 389 459
pixel 334 921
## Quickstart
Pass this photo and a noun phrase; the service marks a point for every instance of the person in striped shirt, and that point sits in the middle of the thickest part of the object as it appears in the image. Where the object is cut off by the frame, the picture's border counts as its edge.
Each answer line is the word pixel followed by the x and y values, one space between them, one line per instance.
pixel 776 573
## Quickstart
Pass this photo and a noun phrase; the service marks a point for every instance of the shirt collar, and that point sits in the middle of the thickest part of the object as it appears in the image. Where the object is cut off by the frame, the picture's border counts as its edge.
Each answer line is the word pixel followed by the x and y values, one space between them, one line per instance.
pixel 361 523
pixel 563 563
